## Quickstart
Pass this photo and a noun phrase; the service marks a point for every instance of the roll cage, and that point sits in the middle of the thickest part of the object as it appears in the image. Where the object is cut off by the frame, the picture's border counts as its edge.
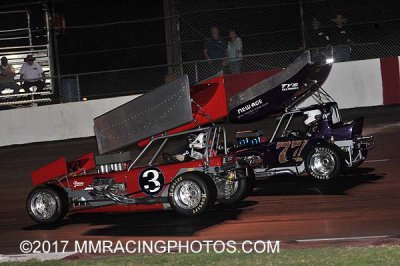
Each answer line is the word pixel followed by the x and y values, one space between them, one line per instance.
pixel 213 141
pixel 288 116
pixel 324 101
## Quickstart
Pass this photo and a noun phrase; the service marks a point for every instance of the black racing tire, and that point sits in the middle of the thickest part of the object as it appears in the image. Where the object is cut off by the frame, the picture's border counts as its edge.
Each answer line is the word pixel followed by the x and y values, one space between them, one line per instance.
pixel 189 194
pixel 245 187
pixel 64 199
pixel 47 205
pixel 251 182
pixel 323 163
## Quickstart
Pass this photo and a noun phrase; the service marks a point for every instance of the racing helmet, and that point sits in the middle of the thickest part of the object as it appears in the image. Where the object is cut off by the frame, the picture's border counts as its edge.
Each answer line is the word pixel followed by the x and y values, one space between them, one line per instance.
pixel 311 116
pixel 197 141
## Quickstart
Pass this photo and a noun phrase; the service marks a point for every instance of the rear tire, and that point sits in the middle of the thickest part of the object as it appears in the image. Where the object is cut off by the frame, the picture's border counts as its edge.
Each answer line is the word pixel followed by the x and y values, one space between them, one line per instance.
pixel 189 195
pixel 251 182
pixel 245 185
pixel 323 163
pixel 47 205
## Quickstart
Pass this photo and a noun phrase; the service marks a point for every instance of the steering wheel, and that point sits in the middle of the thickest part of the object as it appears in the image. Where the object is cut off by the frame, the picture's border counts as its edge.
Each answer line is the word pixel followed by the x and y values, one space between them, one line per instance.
pixel 288 132
pixel 169 158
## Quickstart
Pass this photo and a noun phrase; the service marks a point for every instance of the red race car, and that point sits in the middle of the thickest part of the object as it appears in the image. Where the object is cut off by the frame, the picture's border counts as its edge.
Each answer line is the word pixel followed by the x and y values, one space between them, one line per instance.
pixel 188 180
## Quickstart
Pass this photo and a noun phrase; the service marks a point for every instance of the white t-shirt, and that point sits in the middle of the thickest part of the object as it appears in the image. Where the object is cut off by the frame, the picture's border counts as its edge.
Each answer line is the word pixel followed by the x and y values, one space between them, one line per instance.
pixel 31 72
pixel 235 50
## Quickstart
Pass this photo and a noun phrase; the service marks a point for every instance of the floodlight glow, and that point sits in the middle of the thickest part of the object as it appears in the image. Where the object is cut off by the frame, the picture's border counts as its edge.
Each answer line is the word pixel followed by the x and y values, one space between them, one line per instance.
pixel 330 60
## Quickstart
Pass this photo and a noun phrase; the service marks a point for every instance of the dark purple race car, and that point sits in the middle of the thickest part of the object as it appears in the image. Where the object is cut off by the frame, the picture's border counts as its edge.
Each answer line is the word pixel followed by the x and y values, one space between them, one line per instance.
pixel 311 139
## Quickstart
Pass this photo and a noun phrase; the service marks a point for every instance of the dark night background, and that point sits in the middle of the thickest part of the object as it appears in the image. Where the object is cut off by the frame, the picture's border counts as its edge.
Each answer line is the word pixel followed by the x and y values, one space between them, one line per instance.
pixel 88 48
pixel 138 37
pixel 133 34
pixel 117 40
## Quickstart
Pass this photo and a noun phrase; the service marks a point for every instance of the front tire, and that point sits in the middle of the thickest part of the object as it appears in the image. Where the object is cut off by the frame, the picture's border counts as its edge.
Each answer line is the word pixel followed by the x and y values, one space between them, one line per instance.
pixel 323 163
pixel 46 205
pixel 189 195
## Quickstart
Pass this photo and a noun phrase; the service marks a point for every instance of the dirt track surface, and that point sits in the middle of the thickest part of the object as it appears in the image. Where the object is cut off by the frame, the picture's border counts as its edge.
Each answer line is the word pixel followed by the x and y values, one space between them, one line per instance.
pixel 364 202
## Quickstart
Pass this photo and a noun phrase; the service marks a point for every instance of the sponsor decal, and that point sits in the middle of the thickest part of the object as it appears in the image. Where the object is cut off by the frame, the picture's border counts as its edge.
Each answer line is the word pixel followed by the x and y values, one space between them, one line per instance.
pixel 77 184
pixel 249 106
pixel 290 86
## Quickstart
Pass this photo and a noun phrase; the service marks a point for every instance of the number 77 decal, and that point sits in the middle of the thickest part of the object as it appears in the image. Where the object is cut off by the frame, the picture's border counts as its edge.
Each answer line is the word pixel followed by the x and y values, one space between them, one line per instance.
pixel 283 158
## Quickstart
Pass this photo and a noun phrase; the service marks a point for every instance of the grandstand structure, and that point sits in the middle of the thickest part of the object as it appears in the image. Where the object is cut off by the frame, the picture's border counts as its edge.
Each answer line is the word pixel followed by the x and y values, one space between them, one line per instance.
pixel 31 35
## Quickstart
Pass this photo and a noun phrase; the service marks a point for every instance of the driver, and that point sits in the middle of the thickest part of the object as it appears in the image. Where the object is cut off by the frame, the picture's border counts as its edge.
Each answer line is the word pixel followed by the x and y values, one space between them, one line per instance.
pixel 311 117
pixel 193 150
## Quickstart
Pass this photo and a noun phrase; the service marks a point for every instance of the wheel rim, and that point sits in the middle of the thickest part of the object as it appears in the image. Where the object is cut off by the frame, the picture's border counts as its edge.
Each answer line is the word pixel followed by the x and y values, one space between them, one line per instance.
pixel 187 194
pixel 322 163
pixel 231 187
pixel 43 205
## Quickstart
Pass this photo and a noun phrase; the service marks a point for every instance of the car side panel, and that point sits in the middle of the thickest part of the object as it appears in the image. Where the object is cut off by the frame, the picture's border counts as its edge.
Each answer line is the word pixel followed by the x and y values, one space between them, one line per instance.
pixel 132 180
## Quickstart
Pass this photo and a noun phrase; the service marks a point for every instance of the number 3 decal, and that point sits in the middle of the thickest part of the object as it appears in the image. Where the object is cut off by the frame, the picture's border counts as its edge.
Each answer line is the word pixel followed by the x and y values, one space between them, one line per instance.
pixel 151 181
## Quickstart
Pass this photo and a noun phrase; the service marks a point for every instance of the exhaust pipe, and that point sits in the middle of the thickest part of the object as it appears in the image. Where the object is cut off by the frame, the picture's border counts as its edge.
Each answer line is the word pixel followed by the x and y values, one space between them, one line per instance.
pixel 280 172
pixel 126 200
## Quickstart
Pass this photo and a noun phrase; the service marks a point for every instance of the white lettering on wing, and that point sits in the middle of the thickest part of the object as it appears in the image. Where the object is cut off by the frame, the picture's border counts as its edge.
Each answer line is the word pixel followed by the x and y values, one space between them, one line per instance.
pixel 249 106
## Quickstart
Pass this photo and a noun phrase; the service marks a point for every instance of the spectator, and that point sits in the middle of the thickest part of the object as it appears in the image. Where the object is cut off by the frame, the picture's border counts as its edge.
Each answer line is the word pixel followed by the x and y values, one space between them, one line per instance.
pixel 341 39
pixel 7 73
pixel 214 51
pixel 317 37
pixel 235 52
pixel 32 75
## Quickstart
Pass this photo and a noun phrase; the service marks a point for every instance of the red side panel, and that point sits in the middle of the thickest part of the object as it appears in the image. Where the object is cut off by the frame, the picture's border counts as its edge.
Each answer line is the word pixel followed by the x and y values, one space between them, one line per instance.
pixel 212 100
pixel 236 83
pixel 131 178
pixel 82 164
pixel 209 104
pixel 210 97
pixel 49 172
pixel 61 167
pixel 390 80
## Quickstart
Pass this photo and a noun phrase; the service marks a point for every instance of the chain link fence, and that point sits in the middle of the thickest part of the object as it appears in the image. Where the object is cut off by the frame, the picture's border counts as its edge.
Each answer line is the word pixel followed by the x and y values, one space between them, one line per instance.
pixel 103 84
pixel 371 29
pixel 137 48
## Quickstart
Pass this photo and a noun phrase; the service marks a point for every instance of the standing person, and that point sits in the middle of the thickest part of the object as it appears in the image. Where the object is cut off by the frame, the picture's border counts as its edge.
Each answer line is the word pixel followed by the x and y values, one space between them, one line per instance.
pixel 7 73
pixel 32 75
pixel 341 39
pixel 214 50
pixel 235 52
pixel 317 37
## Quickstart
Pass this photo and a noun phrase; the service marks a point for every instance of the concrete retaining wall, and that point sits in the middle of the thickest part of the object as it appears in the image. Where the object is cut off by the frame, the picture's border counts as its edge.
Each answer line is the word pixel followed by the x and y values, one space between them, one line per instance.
pixel 53 122
pixel 351 84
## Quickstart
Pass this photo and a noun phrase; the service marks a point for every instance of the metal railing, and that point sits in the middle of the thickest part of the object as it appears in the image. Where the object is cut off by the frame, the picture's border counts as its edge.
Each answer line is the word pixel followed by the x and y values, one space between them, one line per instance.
pixel 129 81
